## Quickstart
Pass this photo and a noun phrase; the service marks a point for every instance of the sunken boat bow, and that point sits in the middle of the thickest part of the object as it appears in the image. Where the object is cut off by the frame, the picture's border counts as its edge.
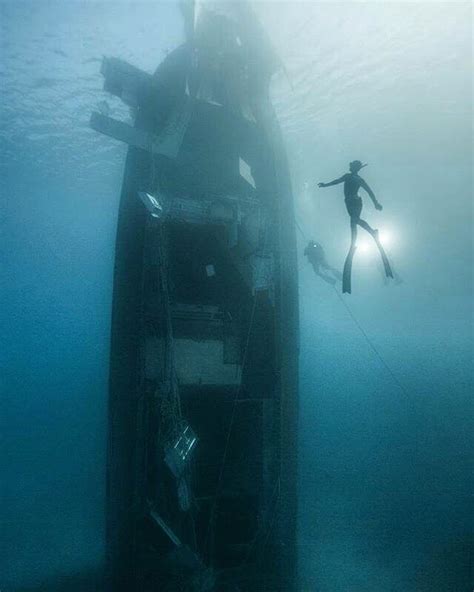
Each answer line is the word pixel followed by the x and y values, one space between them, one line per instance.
pixel 201 476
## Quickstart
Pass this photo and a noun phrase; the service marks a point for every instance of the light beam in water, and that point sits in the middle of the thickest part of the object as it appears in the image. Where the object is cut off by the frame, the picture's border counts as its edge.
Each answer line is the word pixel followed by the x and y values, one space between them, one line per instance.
pixel 366 244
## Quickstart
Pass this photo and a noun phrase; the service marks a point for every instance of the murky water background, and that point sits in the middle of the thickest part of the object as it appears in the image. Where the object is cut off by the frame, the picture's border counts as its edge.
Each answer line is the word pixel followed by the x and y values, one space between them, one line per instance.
pixel 384 468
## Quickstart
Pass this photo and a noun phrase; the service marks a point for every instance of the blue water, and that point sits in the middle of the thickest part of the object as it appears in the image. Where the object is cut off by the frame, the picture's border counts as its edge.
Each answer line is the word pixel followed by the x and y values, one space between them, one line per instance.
pixel 385 475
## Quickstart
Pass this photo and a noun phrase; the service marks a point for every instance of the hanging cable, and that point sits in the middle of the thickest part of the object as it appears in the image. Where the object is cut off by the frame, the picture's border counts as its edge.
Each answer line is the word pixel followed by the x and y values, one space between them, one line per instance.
pixel 370 343
pixel 362 331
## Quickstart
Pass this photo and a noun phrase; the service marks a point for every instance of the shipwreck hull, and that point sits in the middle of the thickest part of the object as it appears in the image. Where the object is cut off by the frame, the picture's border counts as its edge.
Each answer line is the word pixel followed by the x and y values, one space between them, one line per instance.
pixel 204 342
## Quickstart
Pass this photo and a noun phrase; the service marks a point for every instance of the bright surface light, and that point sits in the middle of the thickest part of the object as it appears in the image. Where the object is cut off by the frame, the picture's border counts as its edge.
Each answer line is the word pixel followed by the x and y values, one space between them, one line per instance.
pixel 366 244
pixel 386 237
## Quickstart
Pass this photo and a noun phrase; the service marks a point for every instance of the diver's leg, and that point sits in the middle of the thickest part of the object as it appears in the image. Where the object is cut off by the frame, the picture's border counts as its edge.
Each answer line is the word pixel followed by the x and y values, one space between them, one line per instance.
pixel 375 235
pixel 363 224
pixel 324 263
pixel 336 273
pixel 353 232
pixel 327 278
pixel 355 217
pixel 346 275
pixel 333 270
pixel 317 270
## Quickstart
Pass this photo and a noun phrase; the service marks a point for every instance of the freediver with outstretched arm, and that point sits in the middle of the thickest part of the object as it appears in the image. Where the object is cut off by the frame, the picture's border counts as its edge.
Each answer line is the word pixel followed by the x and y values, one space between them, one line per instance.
pixel 352 183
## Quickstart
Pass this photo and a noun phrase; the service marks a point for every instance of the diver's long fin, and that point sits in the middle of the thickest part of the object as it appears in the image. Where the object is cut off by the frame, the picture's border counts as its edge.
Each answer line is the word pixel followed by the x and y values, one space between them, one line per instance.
pixel 386 262
pixel 347 272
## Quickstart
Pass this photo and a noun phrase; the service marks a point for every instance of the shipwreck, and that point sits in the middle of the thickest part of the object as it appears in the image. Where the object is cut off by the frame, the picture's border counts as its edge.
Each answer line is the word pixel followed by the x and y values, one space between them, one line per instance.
pixel 202 463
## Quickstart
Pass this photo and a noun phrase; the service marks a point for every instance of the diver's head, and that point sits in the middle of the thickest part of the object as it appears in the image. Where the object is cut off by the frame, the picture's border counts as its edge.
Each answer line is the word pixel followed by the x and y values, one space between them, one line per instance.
pixel 355 166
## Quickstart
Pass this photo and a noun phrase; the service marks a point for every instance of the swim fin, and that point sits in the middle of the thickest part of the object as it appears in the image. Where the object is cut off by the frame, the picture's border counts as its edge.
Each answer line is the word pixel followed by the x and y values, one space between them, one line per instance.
pixel 386 263
pixel 347 272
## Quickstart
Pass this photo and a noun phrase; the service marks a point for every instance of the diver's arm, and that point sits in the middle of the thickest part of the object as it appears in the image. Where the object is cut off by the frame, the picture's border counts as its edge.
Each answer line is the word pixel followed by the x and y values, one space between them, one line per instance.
pixel 335 182
pixel 371 194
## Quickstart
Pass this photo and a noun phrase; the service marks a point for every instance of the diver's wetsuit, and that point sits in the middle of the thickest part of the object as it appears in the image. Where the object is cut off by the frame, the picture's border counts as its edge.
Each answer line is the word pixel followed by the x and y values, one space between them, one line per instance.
pixel 316 256
pixel 315 253
pixel 352 184
pixel 353 201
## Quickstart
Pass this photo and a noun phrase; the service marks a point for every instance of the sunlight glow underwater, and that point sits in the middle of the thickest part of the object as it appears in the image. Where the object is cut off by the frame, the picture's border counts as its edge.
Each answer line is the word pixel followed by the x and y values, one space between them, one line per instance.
pixel 366 245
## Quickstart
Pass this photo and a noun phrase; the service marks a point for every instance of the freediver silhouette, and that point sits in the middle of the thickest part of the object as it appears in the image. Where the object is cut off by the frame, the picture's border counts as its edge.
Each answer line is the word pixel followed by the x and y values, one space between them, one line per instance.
pixel 317 257
pixel 352 182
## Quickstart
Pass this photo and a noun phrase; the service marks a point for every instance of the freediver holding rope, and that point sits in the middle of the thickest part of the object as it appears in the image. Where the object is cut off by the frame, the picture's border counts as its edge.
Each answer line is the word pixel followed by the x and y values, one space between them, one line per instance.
pixel 352 183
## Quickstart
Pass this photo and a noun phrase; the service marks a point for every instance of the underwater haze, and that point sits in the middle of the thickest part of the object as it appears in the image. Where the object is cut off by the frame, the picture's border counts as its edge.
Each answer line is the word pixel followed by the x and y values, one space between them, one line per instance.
pixel 385 485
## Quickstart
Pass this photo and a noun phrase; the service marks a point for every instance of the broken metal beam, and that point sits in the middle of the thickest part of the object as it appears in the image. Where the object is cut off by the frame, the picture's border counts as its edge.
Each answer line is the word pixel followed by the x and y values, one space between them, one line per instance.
pixel 125 81
pixel 133 136
pixel 167 142
pixel 122 131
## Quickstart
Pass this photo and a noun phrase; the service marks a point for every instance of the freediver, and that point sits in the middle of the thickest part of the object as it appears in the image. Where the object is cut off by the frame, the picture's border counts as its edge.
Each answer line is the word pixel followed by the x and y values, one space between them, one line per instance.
pixel 352 183
pixel 317 257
